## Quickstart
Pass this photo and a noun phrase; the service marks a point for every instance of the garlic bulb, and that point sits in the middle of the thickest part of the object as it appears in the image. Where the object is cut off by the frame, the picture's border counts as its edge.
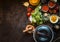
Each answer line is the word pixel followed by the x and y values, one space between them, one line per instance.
pixel 57 26
pixel 45 14
pixel 26 4
pixel 30 19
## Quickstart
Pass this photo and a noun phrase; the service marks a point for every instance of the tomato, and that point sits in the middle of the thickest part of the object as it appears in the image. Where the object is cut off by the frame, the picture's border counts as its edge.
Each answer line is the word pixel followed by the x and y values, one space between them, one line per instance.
pixel 28 14
pixel 29 9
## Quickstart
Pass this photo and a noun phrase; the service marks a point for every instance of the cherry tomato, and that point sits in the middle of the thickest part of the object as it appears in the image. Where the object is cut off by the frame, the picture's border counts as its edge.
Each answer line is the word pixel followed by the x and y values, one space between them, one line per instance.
pixel 29 9
pixel 28 14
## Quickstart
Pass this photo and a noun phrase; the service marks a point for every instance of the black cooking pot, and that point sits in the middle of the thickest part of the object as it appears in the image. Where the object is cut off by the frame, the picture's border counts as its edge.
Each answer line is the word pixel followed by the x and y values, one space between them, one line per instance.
pixel 43 33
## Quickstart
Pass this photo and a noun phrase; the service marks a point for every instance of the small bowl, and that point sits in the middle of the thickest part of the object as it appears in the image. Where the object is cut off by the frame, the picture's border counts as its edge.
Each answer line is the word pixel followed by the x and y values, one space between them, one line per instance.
pixel 51 6
pixel 57 18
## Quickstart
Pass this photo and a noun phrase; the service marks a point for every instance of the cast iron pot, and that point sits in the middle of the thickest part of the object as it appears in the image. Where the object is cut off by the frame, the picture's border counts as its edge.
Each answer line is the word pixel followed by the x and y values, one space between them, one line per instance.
pixel 43 33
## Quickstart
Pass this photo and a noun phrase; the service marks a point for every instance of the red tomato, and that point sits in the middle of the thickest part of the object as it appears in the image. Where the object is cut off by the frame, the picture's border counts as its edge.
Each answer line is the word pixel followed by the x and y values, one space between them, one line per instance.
pixel 29 9
pixel 28 14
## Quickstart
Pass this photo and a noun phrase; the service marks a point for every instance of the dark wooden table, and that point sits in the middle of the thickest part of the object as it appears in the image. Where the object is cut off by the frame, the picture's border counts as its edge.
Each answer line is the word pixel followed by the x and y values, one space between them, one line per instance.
pixel 13 21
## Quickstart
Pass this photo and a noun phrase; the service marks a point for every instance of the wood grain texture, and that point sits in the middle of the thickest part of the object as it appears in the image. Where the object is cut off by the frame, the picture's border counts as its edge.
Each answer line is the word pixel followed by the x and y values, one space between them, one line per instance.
pixel 14 21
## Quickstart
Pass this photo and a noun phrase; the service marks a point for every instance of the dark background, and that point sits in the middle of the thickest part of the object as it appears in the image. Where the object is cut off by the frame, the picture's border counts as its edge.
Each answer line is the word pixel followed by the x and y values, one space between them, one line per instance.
pixel 13 20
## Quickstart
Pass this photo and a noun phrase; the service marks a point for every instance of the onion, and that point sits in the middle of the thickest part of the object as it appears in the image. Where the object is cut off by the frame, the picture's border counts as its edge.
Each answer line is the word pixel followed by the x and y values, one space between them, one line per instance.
pixel 30 19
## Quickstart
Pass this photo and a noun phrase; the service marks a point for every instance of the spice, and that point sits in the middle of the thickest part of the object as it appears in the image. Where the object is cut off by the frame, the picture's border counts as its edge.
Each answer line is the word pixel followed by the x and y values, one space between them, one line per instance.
pixel 57 7
pixel 51 4
pixel 53 18
pixel 45 8
pixel 50 11
pixel 54 11
pixel 34 2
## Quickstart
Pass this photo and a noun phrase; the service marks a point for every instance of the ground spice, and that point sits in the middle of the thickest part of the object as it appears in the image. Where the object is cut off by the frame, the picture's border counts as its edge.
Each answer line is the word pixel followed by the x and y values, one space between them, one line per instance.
pixel 53 18
pixel 45 8
pixel 51 4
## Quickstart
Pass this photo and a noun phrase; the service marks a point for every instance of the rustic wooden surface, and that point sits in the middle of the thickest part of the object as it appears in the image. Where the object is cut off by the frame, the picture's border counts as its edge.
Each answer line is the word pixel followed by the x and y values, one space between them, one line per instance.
pixel 13 23
pixel 13 20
